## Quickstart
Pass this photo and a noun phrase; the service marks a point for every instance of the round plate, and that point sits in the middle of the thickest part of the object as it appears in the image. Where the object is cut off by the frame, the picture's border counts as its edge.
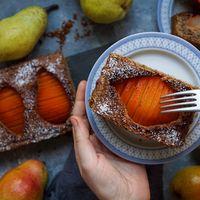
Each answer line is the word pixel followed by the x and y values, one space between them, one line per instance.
pixel 167 53
pixel 166 9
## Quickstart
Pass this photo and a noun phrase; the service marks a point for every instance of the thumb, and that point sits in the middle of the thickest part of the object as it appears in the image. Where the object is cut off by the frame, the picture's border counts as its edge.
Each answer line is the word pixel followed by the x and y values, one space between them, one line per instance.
pixel 84 149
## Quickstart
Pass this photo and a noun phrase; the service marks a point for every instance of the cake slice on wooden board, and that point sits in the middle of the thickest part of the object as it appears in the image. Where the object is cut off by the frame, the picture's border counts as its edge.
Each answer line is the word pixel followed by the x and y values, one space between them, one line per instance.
pixel 128 93
pixel 36 99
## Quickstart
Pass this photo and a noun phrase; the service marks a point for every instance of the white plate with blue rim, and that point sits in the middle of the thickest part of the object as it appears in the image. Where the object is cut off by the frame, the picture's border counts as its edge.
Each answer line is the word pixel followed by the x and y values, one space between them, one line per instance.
pixel 166 9
pixel 166 53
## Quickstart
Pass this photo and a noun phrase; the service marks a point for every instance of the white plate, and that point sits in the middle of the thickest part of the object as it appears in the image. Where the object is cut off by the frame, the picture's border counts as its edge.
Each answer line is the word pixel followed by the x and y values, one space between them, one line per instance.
pixel 168 54
pixel 166 9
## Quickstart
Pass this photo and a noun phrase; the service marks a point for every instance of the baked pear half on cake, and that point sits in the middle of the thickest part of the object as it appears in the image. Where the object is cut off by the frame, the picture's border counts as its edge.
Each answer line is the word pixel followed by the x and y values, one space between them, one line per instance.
pixel 128 95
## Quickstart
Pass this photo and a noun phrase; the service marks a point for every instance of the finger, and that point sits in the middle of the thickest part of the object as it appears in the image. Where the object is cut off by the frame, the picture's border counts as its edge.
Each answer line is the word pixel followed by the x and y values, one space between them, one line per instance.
pixel 79 107
pixel 100 148
pixel 95 143
pixel 85 152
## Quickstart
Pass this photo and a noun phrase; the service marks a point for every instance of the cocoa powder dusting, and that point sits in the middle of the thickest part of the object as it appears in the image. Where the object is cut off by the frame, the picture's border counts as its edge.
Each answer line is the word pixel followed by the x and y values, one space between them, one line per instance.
pixel 61 33
pixel 65 29
pixel 77 35
pixel 87 30
pixel 86 22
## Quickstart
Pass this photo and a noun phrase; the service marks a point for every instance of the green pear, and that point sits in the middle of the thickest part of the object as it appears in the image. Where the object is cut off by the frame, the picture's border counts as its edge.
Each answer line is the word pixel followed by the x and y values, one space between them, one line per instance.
pixel 21 32
pixel 105 11
pixel 24 182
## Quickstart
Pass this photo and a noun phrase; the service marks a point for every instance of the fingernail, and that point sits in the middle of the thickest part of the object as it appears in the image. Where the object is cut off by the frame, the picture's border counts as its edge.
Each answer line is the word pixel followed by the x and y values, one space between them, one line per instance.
pixel 74 122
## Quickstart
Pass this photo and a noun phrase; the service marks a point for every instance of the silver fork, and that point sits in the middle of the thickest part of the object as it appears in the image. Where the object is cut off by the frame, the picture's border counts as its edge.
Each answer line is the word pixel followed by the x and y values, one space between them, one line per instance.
pixel 185 101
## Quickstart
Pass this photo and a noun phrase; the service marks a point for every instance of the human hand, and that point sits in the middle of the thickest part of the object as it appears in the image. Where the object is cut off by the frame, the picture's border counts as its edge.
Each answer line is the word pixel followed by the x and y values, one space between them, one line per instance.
pixel 108 176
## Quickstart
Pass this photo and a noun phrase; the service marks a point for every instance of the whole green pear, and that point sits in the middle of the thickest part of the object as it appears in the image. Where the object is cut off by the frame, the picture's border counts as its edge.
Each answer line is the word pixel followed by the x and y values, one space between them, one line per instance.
pixel 105 11
pixel 21 32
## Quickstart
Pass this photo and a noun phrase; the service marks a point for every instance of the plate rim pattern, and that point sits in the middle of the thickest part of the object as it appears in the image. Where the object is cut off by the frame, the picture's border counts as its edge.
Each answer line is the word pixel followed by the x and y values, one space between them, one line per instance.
pixel 164 12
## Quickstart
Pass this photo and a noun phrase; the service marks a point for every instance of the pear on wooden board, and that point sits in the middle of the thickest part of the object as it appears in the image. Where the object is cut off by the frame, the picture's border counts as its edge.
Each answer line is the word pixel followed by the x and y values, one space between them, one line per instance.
pixel 25 182
pixel 21 32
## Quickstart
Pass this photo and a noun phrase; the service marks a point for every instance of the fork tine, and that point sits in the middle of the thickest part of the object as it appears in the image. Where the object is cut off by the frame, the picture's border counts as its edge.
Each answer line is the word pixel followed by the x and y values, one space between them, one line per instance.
pixel 188 92
pixel 188 109
pixel 179 99
pixel 179 104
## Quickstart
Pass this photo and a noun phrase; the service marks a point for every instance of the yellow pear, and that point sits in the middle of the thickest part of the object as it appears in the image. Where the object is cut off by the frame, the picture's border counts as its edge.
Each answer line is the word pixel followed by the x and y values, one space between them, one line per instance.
pixel 21 32
pixel 105 11
pixel 186 183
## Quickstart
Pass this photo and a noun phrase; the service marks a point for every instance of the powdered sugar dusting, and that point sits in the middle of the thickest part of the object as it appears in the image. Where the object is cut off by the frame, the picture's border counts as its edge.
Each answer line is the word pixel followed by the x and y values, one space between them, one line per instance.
pixel 58 60
pixel 23 75
pixel 116 69
pixel 35 62
pixel 51 68
pixel 104 108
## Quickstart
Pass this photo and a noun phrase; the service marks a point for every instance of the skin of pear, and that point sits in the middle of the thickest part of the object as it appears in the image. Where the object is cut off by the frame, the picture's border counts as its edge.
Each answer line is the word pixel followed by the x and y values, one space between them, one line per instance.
pixel 21 32
pixel 186 183
pixel 26 181
pixel 105 11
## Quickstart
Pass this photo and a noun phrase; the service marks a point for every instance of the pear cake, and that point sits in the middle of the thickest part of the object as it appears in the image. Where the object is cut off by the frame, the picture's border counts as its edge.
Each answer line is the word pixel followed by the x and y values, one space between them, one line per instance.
pixel 36 99
pixel 127 94
pixel 187 26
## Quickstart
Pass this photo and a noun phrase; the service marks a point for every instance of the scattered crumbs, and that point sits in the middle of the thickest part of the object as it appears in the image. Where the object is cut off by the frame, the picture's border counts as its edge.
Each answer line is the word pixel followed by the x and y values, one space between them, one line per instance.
pixel 75 16
pixel 85 22
pixel 61 33
pixel 65 29
pixel 77 35
pixel 86 32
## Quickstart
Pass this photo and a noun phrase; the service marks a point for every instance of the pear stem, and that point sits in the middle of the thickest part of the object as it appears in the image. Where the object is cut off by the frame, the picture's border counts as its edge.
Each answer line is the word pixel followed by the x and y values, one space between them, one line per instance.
pixel 51 8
